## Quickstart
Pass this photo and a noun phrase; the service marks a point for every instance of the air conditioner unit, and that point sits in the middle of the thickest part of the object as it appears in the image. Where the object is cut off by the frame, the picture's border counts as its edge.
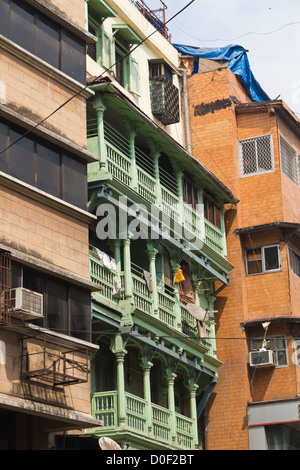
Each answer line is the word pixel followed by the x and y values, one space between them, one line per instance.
pixel 262 358
pixel 26 304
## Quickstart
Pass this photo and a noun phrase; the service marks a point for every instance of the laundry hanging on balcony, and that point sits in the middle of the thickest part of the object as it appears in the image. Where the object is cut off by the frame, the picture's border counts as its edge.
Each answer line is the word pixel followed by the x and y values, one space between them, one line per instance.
pixel 179 276
pixel 107 261
pixel 117 289
pixel 147 277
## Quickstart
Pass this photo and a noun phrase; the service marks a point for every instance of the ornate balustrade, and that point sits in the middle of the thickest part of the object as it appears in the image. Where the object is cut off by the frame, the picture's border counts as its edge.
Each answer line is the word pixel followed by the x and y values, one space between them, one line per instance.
pixel 170 311
pixel 105 407
pixel 138 175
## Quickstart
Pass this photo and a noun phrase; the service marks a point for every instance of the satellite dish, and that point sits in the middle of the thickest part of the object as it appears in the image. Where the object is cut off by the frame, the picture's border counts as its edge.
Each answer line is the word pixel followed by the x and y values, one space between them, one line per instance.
pixel 196 311
pixel 108 444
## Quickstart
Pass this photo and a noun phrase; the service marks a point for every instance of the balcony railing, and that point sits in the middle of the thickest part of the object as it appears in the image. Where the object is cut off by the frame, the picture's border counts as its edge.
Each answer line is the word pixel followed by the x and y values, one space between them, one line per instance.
pixel 140 178
pixel 171 311
pixel 105 408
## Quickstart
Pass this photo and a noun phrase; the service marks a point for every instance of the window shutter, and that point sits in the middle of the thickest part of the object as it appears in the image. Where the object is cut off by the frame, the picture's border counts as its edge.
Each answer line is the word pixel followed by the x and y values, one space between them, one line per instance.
pixel 134 76
pixel 107 42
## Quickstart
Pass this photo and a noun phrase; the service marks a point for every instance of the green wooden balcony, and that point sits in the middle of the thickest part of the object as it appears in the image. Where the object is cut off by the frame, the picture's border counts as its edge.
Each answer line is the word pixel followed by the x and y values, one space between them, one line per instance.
pixel 138 174
pixel 171 311
pixel 147 420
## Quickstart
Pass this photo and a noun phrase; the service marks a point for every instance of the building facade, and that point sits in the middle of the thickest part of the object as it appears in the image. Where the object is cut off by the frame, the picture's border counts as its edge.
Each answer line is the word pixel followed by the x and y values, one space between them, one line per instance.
pixel 254 147
pixel 158 247
pixel 45 324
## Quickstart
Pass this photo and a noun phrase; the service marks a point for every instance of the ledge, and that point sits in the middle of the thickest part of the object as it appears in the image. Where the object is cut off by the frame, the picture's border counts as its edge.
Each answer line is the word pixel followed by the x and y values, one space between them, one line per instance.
pixel 45 198
pixel 49 268
pixel 70 419
pixel 45 68
pixel 66 144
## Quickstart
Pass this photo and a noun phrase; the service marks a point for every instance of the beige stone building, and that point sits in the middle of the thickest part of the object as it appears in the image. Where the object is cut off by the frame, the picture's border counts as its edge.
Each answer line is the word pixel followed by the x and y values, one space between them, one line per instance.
pixel 45 343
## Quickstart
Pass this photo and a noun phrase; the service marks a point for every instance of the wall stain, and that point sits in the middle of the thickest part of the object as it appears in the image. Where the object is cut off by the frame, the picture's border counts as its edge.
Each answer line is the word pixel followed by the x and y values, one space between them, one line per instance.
pixel 205 108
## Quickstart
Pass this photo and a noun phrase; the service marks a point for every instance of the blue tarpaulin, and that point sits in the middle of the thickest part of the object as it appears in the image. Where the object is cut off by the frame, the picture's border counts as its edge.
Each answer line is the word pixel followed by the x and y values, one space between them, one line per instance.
pixel 237 62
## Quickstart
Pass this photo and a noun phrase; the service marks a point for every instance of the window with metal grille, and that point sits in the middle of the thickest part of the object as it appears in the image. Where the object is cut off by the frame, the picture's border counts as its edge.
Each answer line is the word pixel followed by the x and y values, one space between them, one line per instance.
pixel 289 161
pixel 256 155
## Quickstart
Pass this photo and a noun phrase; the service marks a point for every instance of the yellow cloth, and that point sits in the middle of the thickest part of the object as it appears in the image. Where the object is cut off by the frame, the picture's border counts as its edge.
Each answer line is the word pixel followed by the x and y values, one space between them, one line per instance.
pixel 179 276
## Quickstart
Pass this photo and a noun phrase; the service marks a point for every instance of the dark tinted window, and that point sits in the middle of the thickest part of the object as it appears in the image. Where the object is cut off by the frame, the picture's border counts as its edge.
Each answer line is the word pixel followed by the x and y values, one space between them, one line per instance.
pixel 73 56
pixel 47 43
pixel 22 25
pixel 21 157
pixel 74 182
pixel 48 170
pixel 42 165
pixel 57 306
pixel 4 9
pixel 271 258
pixel 80 313
pixel 39 35
pixel 3 145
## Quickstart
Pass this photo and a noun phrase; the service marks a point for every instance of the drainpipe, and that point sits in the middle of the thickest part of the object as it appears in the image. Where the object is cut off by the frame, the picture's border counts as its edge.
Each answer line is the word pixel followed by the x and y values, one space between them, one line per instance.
pixel 186 109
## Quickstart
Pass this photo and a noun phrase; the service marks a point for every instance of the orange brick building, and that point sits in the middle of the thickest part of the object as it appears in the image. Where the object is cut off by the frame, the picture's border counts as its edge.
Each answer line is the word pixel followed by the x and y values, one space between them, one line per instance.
pixel 253 147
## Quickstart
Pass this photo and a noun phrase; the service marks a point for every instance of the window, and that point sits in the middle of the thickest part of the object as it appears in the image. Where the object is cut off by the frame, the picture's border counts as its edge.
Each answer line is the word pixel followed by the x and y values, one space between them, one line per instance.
pixel 43 165
pixel 289 161
pixel 190 193
pixel 212 211
pixel 277 344
pixel 111 51
pixel 43 37
pixel 256 155
pixel 294 262
pixel 263 260
pixel 66 307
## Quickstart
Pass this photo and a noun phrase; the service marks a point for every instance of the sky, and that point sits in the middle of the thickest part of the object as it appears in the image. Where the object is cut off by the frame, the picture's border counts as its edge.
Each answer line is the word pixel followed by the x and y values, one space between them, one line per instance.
pixel 268 29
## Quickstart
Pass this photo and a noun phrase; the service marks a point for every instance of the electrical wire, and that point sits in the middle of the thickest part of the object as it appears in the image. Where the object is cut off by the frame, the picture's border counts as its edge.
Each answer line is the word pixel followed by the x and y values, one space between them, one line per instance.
pixel 97 78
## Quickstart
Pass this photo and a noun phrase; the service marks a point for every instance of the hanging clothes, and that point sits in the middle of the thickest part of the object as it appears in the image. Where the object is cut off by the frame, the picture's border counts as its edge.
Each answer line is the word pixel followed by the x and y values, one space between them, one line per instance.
pixel 147 276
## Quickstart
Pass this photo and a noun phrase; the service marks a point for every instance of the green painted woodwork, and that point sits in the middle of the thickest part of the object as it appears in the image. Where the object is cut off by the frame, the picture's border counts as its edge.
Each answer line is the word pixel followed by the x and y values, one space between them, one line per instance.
pixel 170 311
pixel 156 322
pixel 143 420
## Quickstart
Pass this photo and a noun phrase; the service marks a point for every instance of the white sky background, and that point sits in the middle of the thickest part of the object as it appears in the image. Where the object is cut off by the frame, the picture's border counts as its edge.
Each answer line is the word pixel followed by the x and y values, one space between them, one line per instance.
pixel 274 56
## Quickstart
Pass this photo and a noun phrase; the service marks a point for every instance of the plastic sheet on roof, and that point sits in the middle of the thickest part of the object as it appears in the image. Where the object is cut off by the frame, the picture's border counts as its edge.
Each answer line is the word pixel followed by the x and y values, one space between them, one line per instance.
pixel 237 62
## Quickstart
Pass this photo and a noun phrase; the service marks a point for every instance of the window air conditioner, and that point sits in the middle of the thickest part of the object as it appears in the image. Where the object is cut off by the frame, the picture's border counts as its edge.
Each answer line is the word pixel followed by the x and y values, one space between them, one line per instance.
pixel 26 304
pixel 262 358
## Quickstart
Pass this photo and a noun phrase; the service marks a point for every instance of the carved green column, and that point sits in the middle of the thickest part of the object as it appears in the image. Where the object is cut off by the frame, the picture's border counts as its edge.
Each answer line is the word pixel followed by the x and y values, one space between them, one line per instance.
pixel 127 268
pixel 171 402
pixel 120 352
pixel 177 306
pixel 192 387
pixel 100 108
pixel 131 133
pixel 146 368
pixel 152 252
